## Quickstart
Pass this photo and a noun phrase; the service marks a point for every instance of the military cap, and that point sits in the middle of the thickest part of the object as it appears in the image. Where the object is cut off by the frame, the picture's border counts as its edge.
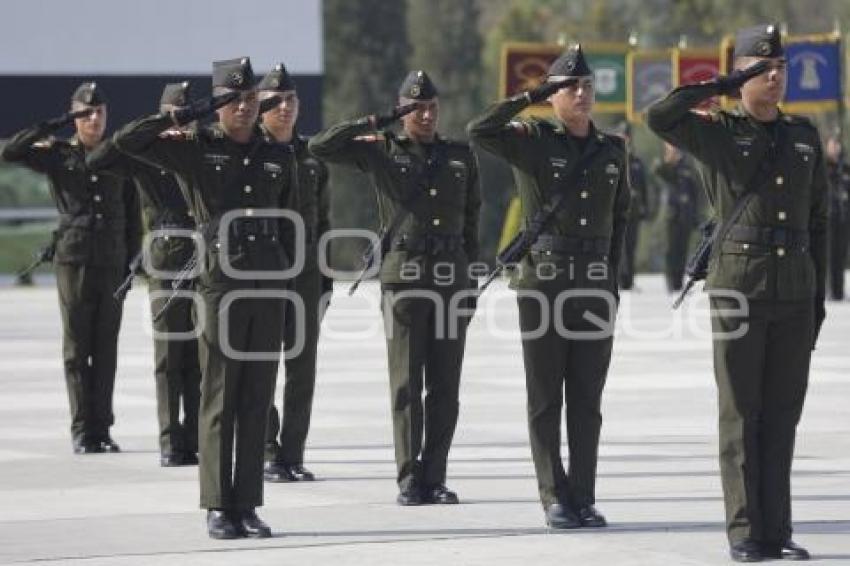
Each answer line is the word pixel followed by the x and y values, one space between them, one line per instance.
pixel 89 93
pixel 570 64
pixel 175 94
pixel 278 80
pixel 233 73
pixel 759 41
pixel 418 86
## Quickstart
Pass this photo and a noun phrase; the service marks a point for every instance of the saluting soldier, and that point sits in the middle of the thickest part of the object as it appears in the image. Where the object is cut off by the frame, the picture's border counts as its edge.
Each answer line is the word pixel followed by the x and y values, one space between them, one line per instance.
pixel 285 453
pixel 569 277
pixel 428 200
pixel 99 230
pixel 838 172
pixel 766 278
pixel 235 180
pixel 638 211
pixel 169 222
pixel 682 211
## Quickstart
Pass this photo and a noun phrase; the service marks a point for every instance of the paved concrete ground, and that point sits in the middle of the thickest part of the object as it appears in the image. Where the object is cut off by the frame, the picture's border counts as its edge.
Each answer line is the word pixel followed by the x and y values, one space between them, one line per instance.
pixel 658 481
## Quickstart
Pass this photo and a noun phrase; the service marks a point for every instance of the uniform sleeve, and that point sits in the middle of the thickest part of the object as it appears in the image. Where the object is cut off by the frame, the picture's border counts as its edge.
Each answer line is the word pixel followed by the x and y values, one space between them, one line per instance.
pixel 289 200
pixel 23 149
pixel 472 212
pixel 818 223
pixel 107 158
pixel 674 120
pixel 495 131
pixel 141 139
pixel 133 216
pixel 622 199
pixel 323 200
pixel 638 183
pixel 346 143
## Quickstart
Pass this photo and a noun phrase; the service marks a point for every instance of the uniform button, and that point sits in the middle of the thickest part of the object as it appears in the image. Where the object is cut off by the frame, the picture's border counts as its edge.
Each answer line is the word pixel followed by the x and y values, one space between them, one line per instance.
pixel 97 198
pixel 251 237
pixel 274 175
pixel 436 222
pixel 248 189
pixel 780 180
pixel 98 216
pixel 246 161
pixel 249 212
pixel 781 215
pixel 163 172
pixel 610 181
pixel 218 167
pixel 745 246
pixel 746 154
pixel 458 175
pixel 556 175
pixel 583 221
pixel 404 169
pixel 805 158
pixel 312 172
pixel 584 172
pixel 433 192
pixel 189 214
pixel 166 238
pixel 780 252
pixel 93 178
pixel 584 194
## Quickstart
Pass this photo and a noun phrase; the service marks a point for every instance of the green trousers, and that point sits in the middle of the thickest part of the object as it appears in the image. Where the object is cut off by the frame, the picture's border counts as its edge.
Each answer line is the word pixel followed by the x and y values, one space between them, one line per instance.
pixel 235 397
pixel 176 371
pixel 285 440
pixel 91 319
pixel 627 263
pixel 678 234
pixel 761 382
pixel 560 368
pixel 425 355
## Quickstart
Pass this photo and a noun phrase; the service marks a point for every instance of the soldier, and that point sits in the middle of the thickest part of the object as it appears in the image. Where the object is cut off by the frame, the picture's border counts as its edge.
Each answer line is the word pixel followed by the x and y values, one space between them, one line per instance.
pixel 576 259
pixel 838 172
pixel 99 229
pixel 176 370
pixel 682 211
pixel 285 454
pixel 764 175
pixel 235 180
pixel 638 211
pixel 428 202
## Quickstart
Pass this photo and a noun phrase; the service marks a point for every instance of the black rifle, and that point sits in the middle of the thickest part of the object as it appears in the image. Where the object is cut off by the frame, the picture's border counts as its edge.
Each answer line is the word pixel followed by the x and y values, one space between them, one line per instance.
pixel 521 244
pixel 43 255
pixel 712 232
pixel 178 284
pixel 135 267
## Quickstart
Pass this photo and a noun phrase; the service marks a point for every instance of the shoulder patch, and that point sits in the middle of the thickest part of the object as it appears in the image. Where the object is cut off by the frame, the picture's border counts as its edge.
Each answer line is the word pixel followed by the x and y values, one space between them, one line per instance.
pixel 707 115
pixel 45 143
pixel 177 135
pixel 371 138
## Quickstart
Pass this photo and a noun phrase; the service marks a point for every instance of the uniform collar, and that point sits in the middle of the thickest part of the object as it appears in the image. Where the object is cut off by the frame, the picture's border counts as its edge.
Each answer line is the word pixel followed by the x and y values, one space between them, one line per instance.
pixel 593 135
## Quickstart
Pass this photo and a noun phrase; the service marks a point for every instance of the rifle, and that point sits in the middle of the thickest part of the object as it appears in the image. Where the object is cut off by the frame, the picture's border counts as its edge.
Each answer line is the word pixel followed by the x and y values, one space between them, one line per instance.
pixel 43 255
pixel 380 247
pixel 697 267
pixel 177 284
pixel 135 267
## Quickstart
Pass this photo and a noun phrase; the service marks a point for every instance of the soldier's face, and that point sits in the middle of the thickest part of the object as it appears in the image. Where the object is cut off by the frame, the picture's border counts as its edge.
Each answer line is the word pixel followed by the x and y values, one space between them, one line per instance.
pixel 574 100
pixel 285 114
pixel 241 113
pixel 767 88
pixel 422 122
pixel 90 127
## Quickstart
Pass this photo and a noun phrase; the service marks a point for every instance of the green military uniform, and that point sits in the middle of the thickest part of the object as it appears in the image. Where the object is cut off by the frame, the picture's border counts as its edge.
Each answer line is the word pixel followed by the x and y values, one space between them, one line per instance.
pixel 681 216
pixel 578 253
pixel 176 370
pixel 242 318
pixel 285 440
pixel 435 188
pixel 638 212
pixel 839 225
pixel 775 256
pixel 99 229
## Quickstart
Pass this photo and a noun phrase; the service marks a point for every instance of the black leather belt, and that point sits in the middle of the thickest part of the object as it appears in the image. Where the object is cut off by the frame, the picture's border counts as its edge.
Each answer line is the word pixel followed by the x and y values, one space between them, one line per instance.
pixel 769 236
pixel 571 245
pixel 432 244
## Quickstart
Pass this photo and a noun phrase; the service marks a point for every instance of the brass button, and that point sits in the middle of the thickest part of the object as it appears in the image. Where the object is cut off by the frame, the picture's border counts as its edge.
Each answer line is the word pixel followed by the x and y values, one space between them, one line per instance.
pixel 780 180
pixel 249 212
pixel 780 252
pixel 163 172
pixel 433 192
pixel 781 215
pixel 218 167
pixel 556 175
pixel 248 189
pixel 745 246
pixel 436 222
pixel 583 221
pixel 251 237
pixel 98 216
pixel 94 178
pixel 247 161
pixel 746 154
pixel 404 169
pixel 584 194
pixel 98 198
